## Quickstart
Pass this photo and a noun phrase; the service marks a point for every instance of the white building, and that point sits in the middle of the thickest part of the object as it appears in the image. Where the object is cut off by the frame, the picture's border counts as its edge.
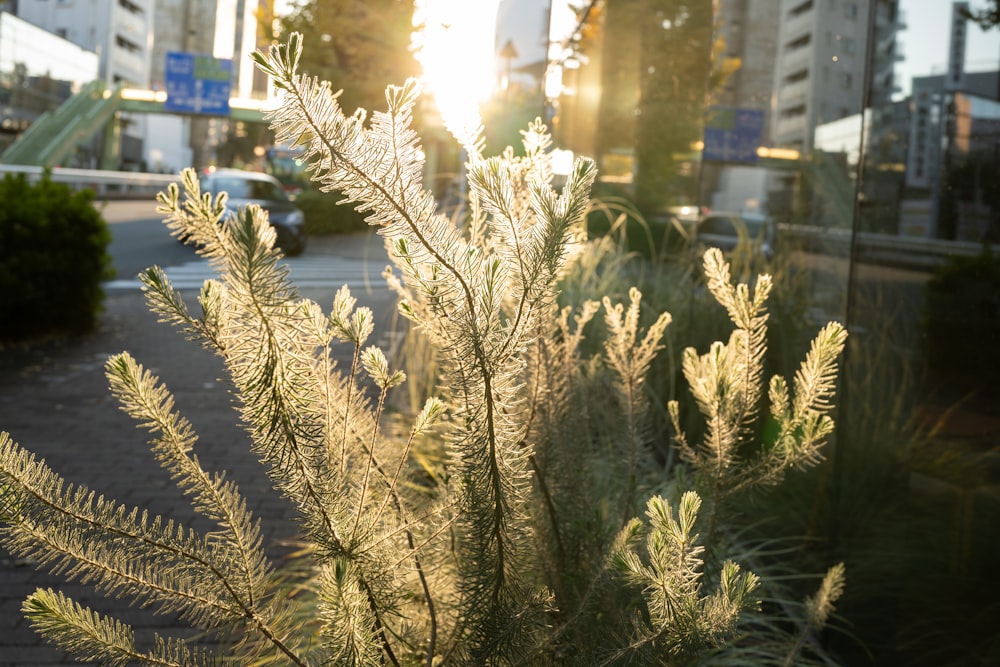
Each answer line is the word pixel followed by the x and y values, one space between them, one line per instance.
pixel 119 31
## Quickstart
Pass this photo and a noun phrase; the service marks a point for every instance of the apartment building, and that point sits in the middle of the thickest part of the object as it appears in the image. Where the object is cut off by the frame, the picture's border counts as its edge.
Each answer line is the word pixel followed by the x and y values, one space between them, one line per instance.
pixel 820 65
pixel 119 31
pixel 747 34
pixel 747 30
pixel 223 28
pixel 228 29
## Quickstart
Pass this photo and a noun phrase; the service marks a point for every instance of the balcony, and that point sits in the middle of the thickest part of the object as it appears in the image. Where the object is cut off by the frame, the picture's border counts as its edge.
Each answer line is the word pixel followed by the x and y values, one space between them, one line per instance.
pixel 133 26
pixel 796 60
pixel 799 25
pixel 129 66
pixel 792 94
pixel 790 128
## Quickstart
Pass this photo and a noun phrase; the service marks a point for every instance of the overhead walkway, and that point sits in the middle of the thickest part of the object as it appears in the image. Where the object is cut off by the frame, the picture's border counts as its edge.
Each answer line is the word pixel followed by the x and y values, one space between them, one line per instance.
pixel 55 135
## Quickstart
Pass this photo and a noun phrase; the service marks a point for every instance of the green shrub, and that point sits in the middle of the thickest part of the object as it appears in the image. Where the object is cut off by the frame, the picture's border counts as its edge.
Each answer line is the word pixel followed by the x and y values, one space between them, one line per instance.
pixel 54 258
pixel 325 217
pixel 962 318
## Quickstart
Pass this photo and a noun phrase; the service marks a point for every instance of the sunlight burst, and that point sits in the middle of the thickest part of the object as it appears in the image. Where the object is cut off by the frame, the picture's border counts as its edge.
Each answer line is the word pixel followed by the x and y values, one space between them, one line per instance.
pixel 455 47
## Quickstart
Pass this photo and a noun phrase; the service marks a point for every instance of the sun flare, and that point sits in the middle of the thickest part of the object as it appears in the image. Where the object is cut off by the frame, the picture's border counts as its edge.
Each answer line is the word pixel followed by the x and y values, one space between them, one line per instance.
pixel 455 47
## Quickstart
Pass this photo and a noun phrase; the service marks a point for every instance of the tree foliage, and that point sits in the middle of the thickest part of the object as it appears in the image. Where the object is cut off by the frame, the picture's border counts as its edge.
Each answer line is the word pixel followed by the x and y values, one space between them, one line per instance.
pixel 660 61
pixel 360 45
pixel 988 17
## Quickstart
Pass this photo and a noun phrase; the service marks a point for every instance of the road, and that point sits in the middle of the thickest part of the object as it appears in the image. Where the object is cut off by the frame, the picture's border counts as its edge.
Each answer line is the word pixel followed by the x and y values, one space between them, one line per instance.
pixel 140 240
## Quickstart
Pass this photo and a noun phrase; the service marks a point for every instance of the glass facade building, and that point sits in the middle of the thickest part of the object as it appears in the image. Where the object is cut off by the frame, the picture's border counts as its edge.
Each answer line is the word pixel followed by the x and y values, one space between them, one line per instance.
pixel 38 72
pixel 885 192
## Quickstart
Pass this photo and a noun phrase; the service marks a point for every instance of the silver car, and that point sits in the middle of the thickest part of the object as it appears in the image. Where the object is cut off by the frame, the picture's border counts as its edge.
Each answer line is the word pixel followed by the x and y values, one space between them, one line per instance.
pixel 251 187
pixel 726 230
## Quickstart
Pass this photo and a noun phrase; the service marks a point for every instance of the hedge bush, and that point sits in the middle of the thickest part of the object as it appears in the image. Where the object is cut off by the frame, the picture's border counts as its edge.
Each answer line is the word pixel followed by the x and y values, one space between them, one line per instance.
pixel 324 217
pixel 962 317
pixel 54 258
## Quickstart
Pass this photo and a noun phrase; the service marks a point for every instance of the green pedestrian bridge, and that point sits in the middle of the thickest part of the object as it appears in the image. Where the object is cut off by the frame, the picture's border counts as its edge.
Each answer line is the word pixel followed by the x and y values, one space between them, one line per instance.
pixel 54 136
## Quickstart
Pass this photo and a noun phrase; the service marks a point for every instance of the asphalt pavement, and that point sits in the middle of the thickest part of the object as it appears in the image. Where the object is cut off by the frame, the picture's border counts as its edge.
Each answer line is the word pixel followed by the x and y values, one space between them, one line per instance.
pixel 54 401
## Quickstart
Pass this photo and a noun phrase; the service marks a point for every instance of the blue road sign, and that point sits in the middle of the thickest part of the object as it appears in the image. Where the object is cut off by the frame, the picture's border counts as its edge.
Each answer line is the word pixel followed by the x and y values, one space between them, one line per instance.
pixel 198 84
pixel 732 134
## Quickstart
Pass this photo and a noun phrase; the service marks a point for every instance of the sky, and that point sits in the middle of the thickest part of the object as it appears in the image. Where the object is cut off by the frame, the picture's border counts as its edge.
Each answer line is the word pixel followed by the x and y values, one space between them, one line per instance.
pixel 925 41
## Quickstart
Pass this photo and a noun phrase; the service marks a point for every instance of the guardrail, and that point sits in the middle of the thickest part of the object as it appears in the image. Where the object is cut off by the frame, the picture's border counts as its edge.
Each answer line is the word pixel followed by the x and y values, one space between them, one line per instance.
pixel 107 184
pixel 902 251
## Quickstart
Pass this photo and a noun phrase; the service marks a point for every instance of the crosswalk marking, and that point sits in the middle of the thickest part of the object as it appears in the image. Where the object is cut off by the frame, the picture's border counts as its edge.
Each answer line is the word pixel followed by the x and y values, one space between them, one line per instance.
pixel 314 271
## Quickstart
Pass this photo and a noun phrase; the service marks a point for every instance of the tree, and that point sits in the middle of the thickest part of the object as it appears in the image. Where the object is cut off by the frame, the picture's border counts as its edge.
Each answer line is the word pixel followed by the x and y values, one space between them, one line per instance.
pixel 363 45
pixel 659 60
pixel 986 18
pixel 673 93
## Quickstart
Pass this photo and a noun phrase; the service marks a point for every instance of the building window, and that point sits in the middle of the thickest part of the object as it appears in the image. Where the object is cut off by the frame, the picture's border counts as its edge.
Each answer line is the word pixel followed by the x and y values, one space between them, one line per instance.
pixel 851 10
pixel 126 44
pixel 801 9
pixel 800 43
pixel 129 6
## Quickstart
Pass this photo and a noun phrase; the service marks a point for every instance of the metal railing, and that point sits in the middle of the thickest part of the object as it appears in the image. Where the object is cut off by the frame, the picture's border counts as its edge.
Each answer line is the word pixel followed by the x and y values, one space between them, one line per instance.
pixel 891 250
pixel 903 251
pixel 107 184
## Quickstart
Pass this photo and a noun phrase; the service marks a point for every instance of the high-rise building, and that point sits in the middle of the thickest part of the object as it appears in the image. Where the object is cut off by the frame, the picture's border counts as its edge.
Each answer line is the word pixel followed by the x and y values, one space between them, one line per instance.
pixel 820 66
pixel 119 31
pixel 747 38
pixel 229 29
pixel 223 28
pixel 747 34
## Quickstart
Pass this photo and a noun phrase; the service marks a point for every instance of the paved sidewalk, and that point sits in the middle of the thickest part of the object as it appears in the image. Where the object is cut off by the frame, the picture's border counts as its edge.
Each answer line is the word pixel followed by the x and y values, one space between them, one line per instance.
pixel 54 402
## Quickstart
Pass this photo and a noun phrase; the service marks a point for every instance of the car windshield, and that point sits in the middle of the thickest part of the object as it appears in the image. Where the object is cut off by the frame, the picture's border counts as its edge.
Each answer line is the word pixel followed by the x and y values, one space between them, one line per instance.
pixel 245 188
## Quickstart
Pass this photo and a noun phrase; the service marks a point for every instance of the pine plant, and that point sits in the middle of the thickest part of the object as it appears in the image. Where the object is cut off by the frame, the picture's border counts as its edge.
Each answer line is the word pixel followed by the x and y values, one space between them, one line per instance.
pixel 524 547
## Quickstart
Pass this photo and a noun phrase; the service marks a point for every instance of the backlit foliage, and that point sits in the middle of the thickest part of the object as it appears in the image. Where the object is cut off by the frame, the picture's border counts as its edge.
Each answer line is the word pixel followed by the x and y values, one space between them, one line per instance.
pixel 519 544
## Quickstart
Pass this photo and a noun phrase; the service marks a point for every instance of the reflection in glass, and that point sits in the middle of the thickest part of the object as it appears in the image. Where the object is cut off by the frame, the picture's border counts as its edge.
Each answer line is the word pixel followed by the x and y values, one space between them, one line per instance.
pixel 38 72
pixel 884 193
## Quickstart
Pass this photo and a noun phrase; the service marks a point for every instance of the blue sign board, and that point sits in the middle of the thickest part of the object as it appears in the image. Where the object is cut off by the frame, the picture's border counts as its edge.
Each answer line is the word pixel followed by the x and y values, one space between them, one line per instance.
pixel 198 84
pixel 732 134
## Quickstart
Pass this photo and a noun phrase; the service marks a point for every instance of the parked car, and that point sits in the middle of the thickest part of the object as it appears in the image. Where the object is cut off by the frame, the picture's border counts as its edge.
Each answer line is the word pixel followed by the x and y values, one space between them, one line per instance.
pixel 726 229
pixel 251 187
